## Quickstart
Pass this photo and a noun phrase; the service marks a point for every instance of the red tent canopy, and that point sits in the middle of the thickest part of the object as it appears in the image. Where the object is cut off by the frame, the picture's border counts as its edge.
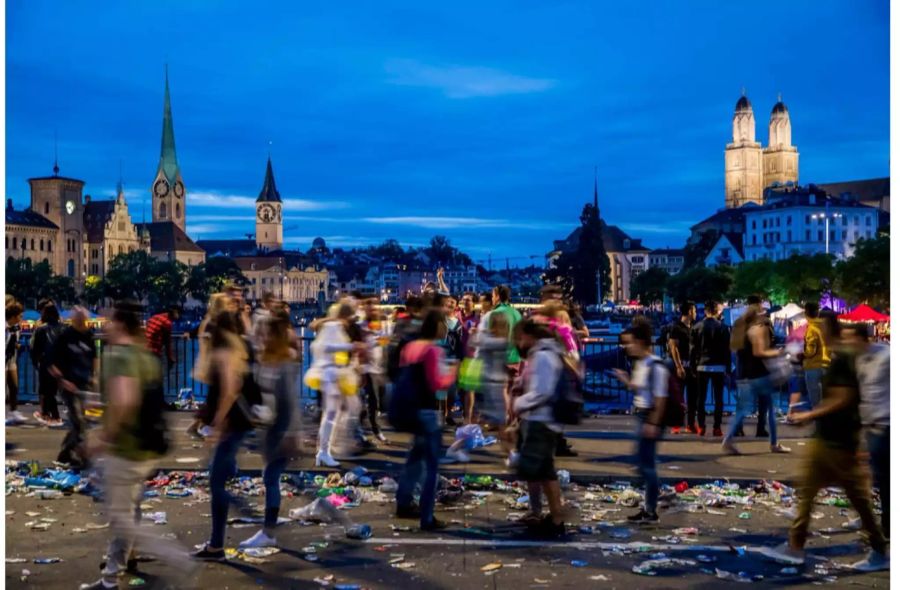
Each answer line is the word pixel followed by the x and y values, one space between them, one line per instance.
pixel 864 313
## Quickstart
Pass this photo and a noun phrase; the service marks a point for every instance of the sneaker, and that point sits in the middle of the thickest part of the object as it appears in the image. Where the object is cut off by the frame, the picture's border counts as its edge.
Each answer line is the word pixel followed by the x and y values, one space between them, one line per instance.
pixel 513 460
pixel 434 525
pixel 875 562
pixel 676 430
pixel 717 432
pixel 566 451
pixel 39 417
pixel 98 585
pixel 784 553
pixel 205 431
pixel 194 433
pixel 58 423
pixel 260 539
pixel 205 554
pixel 643 516
pixel 779 448
pixel 854 524
pixel 381 437
pixel 411 512
pixel 458 456
pixel 728 447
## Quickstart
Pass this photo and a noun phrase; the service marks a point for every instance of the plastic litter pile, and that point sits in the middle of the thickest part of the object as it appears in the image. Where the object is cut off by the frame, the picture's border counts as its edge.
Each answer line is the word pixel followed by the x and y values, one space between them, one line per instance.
pixel 602 509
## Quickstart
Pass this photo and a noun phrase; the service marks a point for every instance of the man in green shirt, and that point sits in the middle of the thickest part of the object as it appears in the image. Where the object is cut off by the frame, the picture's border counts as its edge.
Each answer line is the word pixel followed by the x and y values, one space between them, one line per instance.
pixel 128 372
pixel 832 456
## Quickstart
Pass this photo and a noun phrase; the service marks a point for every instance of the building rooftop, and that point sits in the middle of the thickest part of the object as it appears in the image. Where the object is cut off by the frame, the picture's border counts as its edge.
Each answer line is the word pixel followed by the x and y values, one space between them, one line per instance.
pixel 27 218
pixel 864 190
pixel 96 215
pixel 165 236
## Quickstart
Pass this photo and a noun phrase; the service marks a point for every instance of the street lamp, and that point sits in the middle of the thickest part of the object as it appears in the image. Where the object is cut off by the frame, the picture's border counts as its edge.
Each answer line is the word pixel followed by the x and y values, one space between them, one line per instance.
pixel 827 217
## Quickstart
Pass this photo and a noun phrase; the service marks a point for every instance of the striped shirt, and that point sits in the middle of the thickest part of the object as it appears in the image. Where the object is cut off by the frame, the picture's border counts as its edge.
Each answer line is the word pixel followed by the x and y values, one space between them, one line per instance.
pixel 159 333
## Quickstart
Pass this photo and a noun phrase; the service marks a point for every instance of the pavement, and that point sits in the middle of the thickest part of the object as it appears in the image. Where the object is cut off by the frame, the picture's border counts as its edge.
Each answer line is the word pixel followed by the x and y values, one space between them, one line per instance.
pixel 482 532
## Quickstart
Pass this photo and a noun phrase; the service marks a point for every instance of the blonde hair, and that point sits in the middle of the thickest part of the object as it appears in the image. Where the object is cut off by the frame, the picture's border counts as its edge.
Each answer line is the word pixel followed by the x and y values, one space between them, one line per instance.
pixel 498 322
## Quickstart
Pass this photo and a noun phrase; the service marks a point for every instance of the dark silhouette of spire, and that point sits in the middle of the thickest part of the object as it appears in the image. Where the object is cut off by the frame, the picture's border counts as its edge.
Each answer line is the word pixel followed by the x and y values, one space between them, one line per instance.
pixel 269 192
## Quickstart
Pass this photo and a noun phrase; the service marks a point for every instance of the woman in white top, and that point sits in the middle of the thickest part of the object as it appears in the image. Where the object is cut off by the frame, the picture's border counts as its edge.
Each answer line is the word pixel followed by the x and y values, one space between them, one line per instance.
pixel 330 366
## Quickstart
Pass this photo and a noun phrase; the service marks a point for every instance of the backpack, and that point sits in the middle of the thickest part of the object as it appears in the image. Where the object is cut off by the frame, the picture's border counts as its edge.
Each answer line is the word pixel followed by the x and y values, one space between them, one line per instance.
pixel 403 405
pixel 395 347
pixel 673 413
pixel 568 398
pixel 152 430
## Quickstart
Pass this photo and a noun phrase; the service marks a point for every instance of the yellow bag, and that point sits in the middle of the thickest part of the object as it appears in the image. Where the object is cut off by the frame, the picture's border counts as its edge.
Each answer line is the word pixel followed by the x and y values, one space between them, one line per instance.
pixel 347 382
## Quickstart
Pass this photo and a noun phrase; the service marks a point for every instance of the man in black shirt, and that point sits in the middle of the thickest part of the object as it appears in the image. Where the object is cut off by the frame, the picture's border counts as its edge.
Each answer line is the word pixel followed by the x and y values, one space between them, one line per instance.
pixel 711 358
pixel 73 361
pixel 678 346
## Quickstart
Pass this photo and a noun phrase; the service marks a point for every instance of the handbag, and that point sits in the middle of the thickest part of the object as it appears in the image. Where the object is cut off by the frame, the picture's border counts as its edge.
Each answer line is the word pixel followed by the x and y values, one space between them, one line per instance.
pixel 780 370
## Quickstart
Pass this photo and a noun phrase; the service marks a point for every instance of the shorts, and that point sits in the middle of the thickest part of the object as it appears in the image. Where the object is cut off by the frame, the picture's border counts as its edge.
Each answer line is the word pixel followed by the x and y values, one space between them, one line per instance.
pixel 538 447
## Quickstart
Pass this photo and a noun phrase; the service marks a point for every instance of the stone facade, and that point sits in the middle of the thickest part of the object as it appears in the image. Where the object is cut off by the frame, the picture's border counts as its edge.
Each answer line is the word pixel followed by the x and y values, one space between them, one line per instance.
pixel 288 283
pixel 750 169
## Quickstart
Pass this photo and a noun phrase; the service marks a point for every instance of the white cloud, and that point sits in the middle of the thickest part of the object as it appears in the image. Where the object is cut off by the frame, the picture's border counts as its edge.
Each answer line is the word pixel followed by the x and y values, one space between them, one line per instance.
pixel 216 199
pixel 672 227
pixel 461 81
pixel 462 222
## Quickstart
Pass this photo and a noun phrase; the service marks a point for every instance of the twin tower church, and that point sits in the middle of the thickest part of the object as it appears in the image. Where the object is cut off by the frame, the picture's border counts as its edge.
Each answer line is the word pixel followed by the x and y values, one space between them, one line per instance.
pixel 751 168
pixel 79 236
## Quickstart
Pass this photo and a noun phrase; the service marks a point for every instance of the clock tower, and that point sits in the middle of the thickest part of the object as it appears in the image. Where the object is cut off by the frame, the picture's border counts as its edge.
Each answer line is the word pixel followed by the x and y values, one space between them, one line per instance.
pixel 167 190
pixel 269 223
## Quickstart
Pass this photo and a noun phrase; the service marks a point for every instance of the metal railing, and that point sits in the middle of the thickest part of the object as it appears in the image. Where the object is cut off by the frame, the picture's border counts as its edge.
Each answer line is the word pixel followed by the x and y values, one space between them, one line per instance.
pixel 600 358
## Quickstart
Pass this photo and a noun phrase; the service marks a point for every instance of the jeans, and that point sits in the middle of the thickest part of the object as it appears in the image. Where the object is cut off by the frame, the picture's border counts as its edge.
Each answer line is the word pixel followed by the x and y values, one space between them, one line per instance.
pixel 704 379
pixel 764 408
pixel 124 491
pixel 646 462
pixel 690 393
pixel 425 453
pixel 373 392
pixel 47 388
pixel 75 437
pixel 878 441
pixel 749 391
pixel 222 468
pixel 814 385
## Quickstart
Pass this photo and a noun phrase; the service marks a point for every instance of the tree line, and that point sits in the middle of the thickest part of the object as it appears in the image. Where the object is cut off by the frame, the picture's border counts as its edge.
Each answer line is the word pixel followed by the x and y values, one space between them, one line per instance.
pixel 863 278
pixel 138 275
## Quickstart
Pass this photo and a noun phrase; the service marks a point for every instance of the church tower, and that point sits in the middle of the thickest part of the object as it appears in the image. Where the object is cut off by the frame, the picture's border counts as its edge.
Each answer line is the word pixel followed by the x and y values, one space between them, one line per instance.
pixel 743 159
pixel 269 226
pixel 781 160
pixel 168 189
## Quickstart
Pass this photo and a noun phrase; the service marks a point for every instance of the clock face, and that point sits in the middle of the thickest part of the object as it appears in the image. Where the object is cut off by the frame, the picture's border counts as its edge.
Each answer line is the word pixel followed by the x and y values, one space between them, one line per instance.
pixel 161 188
pixel 70 207
pixel 266 213
pixel 179 189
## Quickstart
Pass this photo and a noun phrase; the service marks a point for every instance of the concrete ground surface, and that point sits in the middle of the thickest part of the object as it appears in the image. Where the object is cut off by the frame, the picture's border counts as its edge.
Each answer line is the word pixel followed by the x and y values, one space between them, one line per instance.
pixel 481 534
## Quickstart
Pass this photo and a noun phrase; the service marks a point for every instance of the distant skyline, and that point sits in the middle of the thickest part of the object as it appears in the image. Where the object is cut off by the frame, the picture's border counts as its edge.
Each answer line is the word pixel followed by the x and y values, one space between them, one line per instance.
pixel 482 122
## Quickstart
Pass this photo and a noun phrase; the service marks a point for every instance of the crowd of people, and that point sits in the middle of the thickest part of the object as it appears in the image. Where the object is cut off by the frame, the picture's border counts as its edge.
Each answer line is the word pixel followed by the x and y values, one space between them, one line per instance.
pixel 438 362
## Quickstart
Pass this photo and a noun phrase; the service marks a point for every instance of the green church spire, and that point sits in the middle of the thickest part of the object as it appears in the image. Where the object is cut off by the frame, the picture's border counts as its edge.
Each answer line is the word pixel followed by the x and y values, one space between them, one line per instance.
pixel 168 162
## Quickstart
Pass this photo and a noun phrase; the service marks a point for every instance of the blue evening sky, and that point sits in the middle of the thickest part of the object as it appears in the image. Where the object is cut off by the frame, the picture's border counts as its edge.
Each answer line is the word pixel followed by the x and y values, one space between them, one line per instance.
pixel 482 121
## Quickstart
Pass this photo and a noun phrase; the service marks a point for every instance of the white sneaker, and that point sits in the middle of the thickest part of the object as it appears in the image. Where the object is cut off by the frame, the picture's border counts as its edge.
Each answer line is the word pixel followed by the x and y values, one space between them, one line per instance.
pixel 323 458
pixel 458 456
pixel 381 437
pixel 779 448
pixel 875 562
pixel 854 524
pixel 205 431
pixel 513 460
pixel 260 539
pixel 783 554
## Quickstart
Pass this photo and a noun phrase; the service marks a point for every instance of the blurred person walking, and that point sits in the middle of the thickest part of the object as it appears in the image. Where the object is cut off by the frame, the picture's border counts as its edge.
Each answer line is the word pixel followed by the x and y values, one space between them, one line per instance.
pixel 42 342
pixel 132 439
pixel 277 378
pixel 711 355
pixel 73 361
